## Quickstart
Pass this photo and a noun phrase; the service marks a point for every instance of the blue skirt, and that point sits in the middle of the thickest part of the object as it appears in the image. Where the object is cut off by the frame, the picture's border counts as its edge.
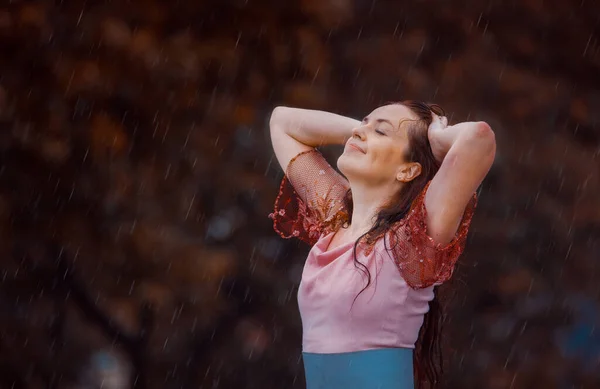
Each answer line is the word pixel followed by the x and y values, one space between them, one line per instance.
pixel 390 368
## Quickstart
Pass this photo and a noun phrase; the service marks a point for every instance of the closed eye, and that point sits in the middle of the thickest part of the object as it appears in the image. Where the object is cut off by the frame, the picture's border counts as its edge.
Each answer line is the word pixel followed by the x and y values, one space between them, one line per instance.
pixel 380 132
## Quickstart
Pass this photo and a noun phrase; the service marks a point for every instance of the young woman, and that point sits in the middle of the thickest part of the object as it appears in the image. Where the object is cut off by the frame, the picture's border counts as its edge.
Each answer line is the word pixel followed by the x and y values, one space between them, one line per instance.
pixel 384 235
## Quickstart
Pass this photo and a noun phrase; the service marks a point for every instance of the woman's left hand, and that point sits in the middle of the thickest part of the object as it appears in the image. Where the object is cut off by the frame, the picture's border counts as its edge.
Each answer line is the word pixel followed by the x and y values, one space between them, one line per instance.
pixel 434 133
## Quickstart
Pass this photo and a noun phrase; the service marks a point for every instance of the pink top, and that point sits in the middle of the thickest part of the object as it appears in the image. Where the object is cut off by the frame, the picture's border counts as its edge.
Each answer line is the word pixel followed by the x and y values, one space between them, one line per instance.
pixel 405 265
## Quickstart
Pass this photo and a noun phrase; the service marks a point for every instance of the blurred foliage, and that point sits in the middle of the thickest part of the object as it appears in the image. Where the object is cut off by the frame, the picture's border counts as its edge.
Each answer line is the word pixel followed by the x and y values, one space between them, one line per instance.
pixel 137 175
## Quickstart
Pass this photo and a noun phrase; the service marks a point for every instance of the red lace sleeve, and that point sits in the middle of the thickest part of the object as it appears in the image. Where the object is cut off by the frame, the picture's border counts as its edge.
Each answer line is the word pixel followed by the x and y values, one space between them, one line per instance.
pixel 421 261
pixel 310 200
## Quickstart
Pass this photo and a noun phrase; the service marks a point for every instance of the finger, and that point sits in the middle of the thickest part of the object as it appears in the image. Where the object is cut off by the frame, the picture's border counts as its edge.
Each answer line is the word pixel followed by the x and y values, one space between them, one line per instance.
pixel 435 121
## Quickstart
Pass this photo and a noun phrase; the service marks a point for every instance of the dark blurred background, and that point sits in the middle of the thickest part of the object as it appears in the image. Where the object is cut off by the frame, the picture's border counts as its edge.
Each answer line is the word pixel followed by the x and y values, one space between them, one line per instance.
pixel 137 175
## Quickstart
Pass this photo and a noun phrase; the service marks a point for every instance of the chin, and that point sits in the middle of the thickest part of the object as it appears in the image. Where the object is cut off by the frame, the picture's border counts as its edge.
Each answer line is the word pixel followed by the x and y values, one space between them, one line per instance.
pixel 348 166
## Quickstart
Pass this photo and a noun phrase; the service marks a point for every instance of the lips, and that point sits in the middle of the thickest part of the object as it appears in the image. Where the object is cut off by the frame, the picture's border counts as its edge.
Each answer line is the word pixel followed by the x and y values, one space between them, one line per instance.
pixel 356 147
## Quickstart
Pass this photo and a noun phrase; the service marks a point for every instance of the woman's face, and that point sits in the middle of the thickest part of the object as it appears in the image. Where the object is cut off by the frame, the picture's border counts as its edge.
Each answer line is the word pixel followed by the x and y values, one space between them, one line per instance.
pixel 375 154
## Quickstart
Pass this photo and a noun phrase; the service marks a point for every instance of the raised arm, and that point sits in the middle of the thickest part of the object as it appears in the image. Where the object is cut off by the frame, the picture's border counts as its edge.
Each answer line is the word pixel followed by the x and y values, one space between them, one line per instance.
pixel 310 201
pixel 467 151
pixel 294 130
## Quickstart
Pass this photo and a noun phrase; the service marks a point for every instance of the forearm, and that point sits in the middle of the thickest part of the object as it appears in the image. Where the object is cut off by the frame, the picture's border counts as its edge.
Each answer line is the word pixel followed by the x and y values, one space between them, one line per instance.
pixel 311 127
pixel 476 136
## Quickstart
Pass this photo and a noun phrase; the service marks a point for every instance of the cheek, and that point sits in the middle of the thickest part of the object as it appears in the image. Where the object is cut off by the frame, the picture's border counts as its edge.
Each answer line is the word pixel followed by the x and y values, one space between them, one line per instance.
pixel 389 155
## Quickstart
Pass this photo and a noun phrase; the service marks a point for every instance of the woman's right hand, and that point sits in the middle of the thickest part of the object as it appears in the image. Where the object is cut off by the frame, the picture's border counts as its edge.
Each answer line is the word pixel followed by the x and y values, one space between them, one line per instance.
pixel 435 135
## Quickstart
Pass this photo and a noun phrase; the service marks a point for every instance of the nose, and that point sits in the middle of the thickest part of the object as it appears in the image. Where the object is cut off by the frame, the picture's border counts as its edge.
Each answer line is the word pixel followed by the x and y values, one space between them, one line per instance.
pixel 358 132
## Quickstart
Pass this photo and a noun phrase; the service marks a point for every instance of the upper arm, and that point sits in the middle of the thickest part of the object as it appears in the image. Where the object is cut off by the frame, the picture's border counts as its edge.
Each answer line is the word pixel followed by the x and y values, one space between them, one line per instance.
pixel 311 197
pixel 284 146
pixel 318 184
pixel 462 171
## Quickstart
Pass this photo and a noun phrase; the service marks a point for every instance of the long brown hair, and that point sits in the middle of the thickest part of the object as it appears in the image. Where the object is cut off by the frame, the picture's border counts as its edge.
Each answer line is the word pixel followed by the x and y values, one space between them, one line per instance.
pixel 427 358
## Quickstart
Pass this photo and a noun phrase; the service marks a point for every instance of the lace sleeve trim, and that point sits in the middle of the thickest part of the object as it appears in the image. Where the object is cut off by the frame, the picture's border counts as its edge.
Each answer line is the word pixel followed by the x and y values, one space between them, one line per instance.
pixel 321 213
pixel 421 261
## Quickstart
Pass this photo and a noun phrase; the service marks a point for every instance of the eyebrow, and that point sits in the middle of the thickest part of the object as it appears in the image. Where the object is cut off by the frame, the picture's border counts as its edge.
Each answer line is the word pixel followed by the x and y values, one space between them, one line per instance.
pixel 366 120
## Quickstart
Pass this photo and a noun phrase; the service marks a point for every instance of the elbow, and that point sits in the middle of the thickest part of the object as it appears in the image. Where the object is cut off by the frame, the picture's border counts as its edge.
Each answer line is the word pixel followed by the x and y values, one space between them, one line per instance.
pixel 482 137
pixel 277 116
pixel 483 131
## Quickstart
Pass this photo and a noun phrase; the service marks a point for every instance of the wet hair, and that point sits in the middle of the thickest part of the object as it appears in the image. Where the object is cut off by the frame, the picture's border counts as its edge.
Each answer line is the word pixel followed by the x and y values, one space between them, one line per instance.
pixel 427 357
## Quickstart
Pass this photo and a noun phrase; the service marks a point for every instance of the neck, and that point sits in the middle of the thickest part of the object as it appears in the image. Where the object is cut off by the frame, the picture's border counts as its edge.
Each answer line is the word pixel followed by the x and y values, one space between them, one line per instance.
pixel 367 200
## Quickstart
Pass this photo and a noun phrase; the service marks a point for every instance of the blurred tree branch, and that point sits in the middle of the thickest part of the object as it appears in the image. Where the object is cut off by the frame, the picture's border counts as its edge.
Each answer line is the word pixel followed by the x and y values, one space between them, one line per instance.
pixel 60 275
